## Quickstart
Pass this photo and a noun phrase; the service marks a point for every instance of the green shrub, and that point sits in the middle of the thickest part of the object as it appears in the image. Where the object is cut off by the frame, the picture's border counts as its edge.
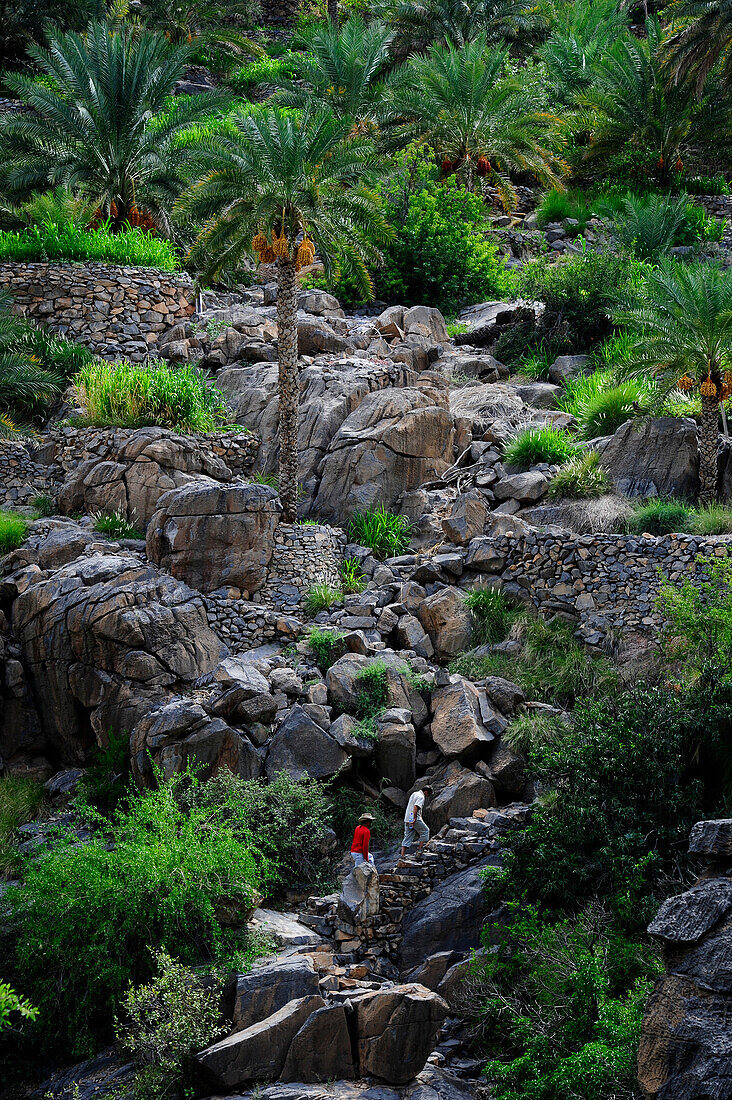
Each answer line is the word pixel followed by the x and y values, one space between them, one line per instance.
pixel 581 478
pixel 649 225
pixel 714 519
pixel 537 364
pixel 13 529
pixel 561 1006
pixel 11 1003
pixel 43 506
pixel 530 732
pixel 134 395
pixel 439 253
pixel 164 1022
pixel 131 248
pixel 288 818
pixel 552 666
pixel 558 205
pixel 372 695
pixel 319 598
pixel 104 783
pixel 698 613
pixel 264 70
pixel 116 526
pixel 604 412
pixel 706 185
pixel 352 578
pixel 87 916
pixel 21 800
pixel 386 533
pixel 491 613
pixel 326 645
pixel 660 517
pixel 534 445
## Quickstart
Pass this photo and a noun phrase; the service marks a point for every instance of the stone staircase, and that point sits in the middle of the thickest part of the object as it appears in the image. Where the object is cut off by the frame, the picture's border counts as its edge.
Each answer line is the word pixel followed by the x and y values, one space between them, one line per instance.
pixel 376 939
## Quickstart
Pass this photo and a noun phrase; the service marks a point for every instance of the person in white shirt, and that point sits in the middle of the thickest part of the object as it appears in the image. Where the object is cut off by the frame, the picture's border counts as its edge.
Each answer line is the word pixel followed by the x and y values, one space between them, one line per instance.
pixel 414 825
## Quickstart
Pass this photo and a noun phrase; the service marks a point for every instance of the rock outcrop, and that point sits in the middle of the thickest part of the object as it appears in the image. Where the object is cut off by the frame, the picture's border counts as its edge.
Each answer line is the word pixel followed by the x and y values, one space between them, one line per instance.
pixel 657 457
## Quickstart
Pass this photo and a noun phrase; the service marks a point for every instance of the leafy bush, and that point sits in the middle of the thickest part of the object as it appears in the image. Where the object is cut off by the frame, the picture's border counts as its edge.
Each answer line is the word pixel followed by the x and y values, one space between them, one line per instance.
pixel 660 517
pixel 103 785
pixel 706 185
pixel 131 248
pixel 21 800
pixel 561 1007
pixel 13 529
pixel 87 916
pixel 439 253
pixel 698 612
pixel 264 70
pixel 492 614
pixel 534 445
pixel 10 1003
pixel 373 690
pixel 326 645
pixel 134 396
pixel 352 578
pixel 551 667
pixel 319 598
pixel 288 818
pixel 116 526
pixel 386 533
pixel 581 478
pixel 164 1022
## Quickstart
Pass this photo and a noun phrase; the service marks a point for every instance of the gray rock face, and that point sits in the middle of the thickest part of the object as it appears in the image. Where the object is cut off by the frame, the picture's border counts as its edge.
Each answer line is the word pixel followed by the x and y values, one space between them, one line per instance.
pixel 447 621
pixel 486 318
pixel 137 471
pixel 450 918
pixel 359 896
pixel 688 917
pixel 321 1049
pixel 457 729
pixel 466 518
pixel 105 639
pixel 213 535
pixel 526 488
pixel 567 367
pixel 396 752
pixel 394 441
pixel 396 1031
pixel 484 368
pixel 657 457
pixel 251 998
pixel 712 838
pixel 457 792
pixel 301 747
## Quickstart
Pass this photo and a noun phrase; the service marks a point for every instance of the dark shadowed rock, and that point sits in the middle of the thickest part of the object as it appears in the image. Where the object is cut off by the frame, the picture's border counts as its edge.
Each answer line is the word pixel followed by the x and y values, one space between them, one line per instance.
pixel 447 621
pixel 251 998
pixel 658 457
pixel 686 918
pixel 396 1030
pixel 450 918
pixel 712 838
pixel 321 1049
pixel 301 747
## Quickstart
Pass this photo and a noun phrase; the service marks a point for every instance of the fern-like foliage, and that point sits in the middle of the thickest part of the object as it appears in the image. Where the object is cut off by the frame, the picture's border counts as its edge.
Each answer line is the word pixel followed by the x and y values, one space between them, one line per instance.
pixel 648 224
pixel 90 127
pixel 699 39
pixel 418 23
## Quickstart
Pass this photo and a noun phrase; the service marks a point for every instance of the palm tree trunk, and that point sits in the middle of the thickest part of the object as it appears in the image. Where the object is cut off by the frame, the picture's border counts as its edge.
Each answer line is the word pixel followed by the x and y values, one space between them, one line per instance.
pixel 333 12
pixel 289 385
pixel 708 450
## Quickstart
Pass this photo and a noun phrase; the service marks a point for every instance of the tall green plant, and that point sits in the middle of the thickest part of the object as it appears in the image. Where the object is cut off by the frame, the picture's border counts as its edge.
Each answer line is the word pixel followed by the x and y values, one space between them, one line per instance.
pixel 287 180
pixel 91 121
pixel 420 23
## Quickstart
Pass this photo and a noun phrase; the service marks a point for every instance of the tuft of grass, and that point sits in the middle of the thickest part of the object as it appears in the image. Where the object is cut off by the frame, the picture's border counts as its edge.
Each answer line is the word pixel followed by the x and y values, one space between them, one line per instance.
pixel 580 478
pixel 535 365
pixel 326 646
pixel 48 241
pixel 558 205
pixel 352 578
pixel 116 526
pixel 372 698
pixel 534 445
pixel 607 409
pixel 13 529
pixel 530 732
pixel 43 506
pixel 491 613
pixel 714 519
pixel 21 800
pixel 661 517
pixel 386 533
pixel 552 666
pixel 455 328
pixel 135 395
pixel 319 598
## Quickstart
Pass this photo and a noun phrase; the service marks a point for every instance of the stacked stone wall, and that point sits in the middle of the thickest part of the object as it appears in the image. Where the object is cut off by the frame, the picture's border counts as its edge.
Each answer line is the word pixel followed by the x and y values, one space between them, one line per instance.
pixel 115 311
pixel 304 555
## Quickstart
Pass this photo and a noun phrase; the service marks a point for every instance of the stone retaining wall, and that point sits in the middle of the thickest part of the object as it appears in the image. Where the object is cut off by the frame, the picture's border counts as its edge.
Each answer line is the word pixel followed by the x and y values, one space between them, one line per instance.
pixel 603 581
pixel 115 311
pixel 22 477
pixel 304 555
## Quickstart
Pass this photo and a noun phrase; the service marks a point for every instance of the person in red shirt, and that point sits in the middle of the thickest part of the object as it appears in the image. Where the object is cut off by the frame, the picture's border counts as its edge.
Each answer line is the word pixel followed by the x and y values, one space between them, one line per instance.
pixel 361 838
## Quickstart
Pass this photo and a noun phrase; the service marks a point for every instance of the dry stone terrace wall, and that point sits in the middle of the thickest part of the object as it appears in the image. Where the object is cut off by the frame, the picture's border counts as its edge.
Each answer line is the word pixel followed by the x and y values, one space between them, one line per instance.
pixel 604 581
pixel 115 311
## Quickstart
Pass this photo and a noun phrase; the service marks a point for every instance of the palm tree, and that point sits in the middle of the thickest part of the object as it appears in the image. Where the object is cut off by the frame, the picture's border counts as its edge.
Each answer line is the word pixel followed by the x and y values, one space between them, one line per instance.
pixel 283 186
pixel 630 103
pixel 682 322
pixel 26 385
pixel 212 27
pixel 700 36
pixel 418 23
pixel 341 70
pixel 93 125
pixel 581 36
pixel 477 120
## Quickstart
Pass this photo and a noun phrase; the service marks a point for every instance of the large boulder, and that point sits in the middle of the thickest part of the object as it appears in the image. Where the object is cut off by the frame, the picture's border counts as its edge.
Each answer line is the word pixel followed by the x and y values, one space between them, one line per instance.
pixel 105 639
pixel 458 791
pixel 252 997
pixel 301 747
pixel 359 896
pixel 450 918
pixel 396 1030
pixel 342 681
pixel 214 536
pixel 457 727
pixel 447 621
pixel 658 457
pixel 485 320
pixel 133 470
pixel 394 441
pixel 397 747
pixel 321 1050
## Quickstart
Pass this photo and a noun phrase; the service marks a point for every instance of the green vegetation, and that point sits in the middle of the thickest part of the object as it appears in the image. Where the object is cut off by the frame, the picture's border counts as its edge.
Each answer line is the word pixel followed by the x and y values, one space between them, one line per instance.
pixel 320 597
pixel 660 517
pixel 601 404
pixel 116 526
pixel 492 614
pixel 21 800
pixel 87 917
pixel 43 506
pixel 135 395
pixel 326 646
pixel 13 529
pixel 386 533
pixel 534 445
pixel 352 578
pixel 551 667
pixel 580 478
pixel 132 247
pixel 11 1003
